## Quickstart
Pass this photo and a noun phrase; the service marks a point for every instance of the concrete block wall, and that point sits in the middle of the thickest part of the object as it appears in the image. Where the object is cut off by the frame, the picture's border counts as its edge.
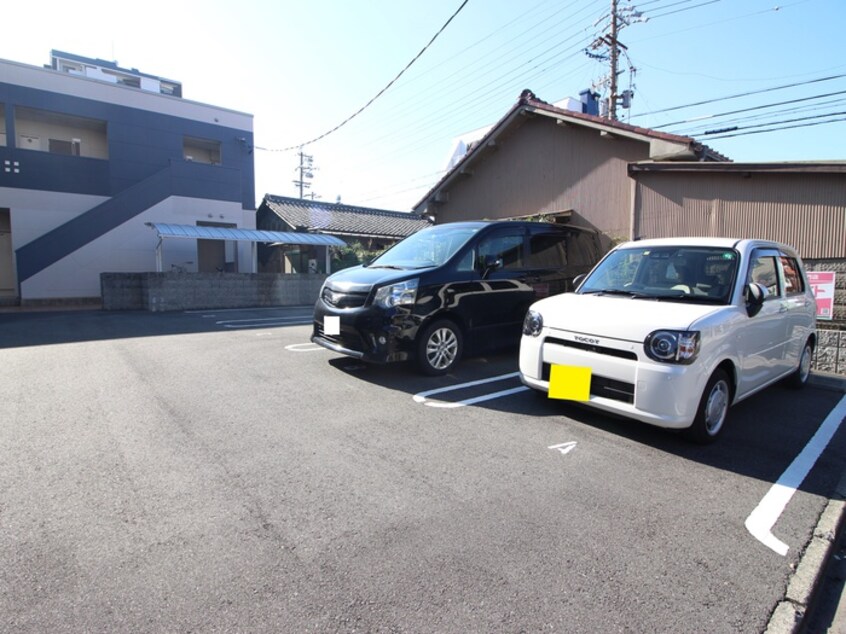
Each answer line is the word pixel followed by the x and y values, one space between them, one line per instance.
pixel 188 291
pixel 830 355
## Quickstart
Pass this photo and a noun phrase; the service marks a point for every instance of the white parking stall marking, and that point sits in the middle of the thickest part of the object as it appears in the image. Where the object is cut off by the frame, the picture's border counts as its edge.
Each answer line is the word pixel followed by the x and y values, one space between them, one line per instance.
pixel 423 397
pixel 206 313
pixel 304 347
pixel 761 521
pixel 263 322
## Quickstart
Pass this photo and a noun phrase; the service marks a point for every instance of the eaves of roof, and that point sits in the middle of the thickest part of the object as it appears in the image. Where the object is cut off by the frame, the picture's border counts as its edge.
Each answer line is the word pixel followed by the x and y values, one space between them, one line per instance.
pixel 676 147
pixel 780 167
pixel 339 219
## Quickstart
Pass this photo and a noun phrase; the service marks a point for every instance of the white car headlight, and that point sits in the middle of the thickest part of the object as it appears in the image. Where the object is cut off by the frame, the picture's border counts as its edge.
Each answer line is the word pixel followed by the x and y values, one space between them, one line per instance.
pixel 400 294
pixel 672 346
pixel 533 323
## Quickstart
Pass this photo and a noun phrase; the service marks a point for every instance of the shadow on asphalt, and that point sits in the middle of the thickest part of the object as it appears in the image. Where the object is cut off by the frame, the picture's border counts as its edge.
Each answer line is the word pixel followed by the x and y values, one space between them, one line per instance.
pixel 763 434
pixel 39 328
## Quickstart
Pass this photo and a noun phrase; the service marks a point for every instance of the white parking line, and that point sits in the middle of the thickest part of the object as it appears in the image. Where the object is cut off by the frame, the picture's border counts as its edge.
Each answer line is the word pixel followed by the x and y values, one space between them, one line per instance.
pixel 423 397
pixel 263 322
pixel 304 347
pixel 256 319
pixel 206 312
pixel 761 521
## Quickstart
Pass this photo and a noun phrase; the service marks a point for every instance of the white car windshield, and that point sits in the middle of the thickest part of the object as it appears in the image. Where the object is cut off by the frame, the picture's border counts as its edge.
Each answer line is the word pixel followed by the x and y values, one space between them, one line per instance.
pixel 426 248
pixel 684 273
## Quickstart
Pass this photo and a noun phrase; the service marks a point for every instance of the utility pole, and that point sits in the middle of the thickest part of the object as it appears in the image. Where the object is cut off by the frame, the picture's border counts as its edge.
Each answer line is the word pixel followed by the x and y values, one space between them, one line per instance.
pixel 614 55
pixel 306 171
pixel 607 47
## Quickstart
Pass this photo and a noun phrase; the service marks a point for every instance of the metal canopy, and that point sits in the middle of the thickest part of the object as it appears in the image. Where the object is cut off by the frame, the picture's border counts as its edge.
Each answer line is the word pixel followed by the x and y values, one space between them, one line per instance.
pixel 195 232
pixel 166 230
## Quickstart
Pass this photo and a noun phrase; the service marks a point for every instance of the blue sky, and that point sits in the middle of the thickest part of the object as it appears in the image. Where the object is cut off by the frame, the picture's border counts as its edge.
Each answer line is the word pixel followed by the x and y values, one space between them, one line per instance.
pixel 301 68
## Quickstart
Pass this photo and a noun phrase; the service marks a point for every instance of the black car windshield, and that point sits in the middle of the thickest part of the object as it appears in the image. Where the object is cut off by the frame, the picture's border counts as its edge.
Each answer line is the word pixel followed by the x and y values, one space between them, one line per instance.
pixel 683 273
pixel 429 247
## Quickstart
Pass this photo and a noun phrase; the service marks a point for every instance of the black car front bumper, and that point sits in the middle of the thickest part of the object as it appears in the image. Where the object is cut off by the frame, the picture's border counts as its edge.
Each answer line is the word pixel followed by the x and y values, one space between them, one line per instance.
pixel 369 333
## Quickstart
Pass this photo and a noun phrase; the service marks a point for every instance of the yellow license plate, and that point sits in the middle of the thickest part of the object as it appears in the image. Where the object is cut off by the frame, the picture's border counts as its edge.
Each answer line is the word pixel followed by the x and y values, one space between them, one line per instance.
pixel 569 382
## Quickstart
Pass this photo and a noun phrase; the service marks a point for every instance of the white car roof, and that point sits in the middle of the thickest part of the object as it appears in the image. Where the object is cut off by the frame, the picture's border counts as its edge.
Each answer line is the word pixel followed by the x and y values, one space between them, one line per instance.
pixel 731 243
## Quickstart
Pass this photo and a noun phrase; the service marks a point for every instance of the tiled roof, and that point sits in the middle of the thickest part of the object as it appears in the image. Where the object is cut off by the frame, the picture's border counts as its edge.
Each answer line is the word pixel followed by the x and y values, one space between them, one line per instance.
pixel 343 220
pixel 528 102
pixel 529 99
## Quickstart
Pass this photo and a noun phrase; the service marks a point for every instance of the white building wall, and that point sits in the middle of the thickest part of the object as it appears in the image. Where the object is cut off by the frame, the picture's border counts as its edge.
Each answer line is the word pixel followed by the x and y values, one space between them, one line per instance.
pixel 73 85
pixel 129 248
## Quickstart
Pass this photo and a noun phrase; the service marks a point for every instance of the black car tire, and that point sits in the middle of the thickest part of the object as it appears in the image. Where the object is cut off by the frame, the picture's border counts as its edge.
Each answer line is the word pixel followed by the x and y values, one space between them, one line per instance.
pixel 712 411
pixel 799 378
pixel 439 347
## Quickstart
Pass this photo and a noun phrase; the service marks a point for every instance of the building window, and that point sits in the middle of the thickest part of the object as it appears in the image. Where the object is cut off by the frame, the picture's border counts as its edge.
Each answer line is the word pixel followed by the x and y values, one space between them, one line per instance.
pixel 170 88
pixel 45 131
pixel 201 150
pixel 2 125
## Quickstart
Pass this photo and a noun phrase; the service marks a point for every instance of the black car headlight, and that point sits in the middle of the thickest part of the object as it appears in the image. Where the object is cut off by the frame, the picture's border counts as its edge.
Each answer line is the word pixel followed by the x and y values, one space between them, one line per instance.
pixel 672 346
pixel 400 294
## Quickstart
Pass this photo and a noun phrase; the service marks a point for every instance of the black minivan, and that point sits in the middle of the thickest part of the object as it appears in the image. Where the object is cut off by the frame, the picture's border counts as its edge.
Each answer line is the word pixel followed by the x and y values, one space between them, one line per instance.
pixel 449 290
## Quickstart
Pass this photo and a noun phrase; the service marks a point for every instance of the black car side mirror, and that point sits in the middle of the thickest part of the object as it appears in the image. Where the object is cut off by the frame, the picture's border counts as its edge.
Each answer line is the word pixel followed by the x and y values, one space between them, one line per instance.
pixel 490 263
pixel 755 295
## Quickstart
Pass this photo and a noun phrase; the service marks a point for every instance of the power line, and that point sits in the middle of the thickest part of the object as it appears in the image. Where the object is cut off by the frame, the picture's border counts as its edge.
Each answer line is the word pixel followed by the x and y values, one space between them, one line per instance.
pixel 380 93
pixel 480 84
pixel 772 123
pixel 524 65
pixel 696 6
pixel 834 103
pixel 743 94
pixel 787 127
pixel 731 112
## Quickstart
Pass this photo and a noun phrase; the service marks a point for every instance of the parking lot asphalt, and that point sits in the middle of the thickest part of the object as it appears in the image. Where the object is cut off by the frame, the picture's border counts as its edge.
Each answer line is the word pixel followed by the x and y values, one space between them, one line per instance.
pixel 214 471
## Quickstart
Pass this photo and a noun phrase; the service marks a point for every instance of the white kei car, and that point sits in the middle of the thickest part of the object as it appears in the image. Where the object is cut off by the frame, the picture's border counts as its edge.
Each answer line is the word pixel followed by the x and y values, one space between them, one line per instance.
pixel 672 332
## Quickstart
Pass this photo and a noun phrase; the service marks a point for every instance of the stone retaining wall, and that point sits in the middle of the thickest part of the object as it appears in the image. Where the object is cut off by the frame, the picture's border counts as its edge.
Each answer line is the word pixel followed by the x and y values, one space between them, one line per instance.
pixel 185 291
pixel 830 355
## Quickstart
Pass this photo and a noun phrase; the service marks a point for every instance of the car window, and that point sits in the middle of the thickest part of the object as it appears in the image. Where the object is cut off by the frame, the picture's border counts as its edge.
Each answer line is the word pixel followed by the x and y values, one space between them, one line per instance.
pixel 763 270
pixel 547 251
pixel 466 261
pixel 683 273
pixel 507 245
pixel 428 247
pixel 581 250
pixel 793 284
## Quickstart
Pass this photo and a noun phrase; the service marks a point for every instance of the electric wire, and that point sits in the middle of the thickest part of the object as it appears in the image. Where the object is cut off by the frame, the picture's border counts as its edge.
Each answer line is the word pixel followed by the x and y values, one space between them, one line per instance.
pixel 743 94
pixel 834 103
pixel 780 129
pixel 741 110
pixel 492 76
pixel 381 92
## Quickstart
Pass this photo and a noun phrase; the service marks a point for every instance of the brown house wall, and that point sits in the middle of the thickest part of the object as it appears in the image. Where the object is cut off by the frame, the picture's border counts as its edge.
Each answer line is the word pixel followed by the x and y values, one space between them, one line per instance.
pixel 545 168
pixel 806 210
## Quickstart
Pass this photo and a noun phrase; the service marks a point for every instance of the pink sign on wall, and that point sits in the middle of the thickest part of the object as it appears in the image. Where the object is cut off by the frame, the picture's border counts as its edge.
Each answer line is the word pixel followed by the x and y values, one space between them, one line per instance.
pixel 822 284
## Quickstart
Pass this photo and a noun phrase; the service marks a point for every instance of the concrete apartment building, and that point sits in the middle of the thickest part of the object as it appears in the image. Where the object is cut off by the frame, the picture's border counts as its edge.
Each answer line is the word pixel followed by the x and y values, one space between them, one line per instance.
pixel 89 153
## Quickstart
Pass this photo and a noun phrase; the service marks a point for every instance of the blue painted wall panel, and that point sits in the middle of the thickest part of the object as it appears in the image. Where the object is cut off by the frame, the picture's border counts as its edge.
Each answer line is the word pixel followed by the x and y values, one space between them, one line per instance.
pixel 140 143
pixel 75 174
